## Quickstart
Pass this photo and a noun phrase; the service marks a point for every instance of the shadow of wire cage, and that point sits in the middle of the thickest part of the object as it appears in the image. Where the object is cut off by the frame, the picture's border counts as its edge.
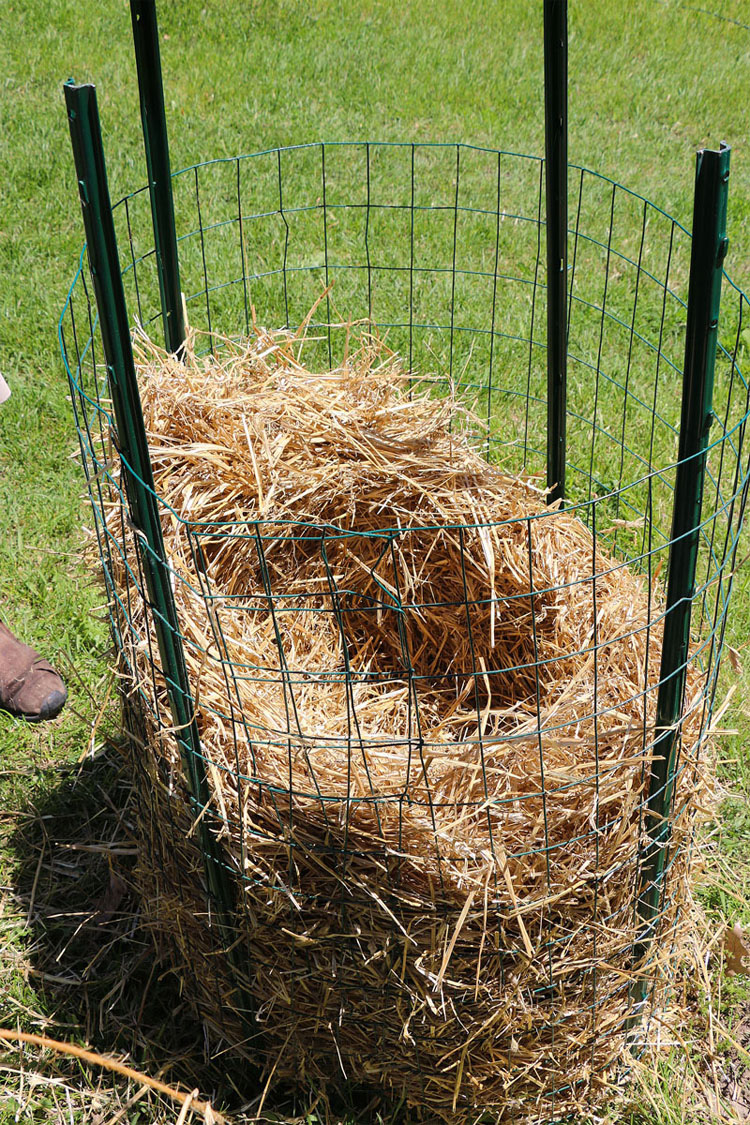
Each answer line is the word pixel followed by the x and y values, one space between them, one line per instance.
pixel 441 250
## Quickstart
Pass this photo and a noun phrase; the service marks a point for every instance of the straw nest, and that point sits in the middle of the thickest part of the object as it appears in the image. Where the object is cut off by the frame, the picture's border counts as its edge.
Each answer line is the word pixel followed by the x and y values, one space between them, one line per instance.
pixel 397 652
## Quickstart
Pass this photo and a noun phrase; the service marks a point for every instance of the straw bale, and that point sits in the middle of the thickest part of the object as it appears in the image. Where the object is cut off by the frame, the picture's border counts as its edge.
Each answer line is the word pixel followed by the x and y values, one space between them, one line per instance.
pixel 426 703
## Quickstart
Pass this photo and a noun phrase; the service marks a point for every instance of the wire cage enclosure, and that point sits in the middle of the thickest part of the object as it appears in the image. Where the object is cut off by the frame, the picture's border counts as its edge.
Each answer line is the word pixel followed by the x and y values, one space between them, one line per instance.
pixel 468 905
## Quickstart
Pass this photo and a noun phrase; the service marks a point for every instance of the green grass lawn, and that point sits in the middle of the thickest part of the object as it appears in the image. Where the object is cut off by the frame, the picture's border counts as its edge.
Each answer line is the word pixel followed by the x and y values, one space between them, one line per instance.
pixel 650 82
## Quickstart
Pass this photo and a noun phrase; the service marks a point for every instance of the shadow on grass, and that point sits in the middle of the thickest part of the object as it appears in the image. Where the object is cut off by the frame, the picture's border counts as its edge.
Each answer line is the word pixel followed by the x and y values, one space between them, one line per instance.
pixel 93 964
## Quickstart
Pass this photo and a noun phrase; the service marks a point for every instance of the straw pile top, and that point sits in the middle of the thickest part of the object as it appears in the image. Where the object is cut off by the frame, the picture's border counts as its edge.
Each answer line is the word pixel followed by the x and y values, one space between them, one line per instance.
pixel 427 705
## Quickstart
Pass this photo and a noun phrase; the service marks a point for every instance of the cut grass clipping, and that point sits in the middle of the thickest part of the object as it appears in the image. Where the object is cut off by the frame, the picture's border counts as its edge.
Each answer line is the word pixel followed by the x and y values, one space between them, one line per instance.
pixel 397 653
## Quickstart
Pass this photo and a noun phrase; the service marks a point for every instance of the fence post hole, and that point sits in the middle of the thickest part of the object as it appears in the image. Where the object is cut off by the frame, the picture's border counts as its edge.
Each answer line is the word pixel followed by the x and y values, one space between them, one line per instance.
pixel 709 249
pixel 88 153
pixel 556 187
pixel 153 119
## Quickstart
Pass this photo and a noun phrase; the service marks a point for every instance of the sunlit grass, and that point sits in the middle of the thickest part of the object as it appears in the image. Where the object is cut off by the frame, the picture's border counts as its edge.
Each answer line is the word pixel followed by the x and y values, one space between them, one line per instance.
pixel 650 82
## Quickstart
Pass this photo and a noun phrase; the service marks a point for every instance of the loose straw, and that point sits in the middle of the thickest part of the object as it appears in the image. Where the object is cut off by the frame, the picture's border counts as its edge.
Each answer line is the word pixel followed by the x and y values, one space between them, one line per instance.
pixel 426 702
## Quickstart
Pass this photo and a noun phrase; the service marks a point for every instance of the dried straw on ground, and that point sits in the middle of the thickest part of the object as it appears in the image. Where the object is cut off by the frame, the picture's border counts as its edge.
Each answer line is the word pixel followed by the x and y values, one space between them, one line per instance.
pixel 397 653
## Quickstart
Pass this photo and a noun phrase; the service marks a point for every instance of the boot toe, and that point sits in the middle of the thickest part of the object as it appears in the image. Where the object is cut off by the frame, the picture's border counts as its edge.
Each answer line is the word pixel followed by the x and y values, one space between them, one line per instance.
pixel 30 688
pixel 52 705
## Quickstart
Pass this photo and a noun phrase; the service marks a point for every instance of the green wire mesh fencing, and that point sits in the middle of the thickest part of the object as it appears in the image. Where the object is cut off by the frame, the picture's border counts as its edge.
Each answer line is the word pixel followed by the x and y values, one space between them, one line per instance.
pixel 440 249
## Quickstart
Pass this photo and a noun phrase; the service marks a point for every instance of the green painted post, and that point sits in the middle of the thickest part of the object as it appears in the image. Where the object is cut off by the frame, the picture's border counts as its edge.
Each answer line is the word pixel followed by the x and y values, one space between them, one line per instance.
pixel 556 183
pixel 153 119
pixel 88 153
pixel 704 295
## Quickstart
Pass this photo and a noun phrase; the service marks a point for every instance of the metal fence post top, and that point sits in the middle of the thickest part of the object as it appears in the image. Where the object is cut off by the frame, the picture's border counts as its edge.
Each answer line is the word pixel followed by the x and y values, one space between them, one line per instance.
pixel 72 89
pixel 723 147
pixel 721 155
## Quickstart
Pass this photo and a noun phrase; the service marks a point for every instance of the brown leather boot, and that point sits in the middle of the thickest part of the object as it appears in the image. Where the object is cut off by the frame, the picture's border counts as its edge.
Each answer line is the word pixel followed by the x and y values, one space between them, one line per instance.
pixel 29 686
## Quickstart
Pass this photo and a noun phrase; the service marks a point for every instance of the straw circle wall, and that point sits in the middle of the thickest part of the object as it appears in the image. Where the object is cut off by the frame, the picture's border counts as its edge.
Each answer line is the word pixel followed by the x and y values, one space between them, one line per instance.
pixel 429 773
pixel 425 700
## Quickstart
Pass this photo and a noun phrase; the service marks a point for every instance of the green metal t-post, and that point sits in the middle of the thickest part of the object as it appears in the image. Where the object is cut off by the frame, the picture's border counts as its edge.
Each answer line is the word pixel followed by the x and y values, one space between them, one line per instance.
pixel 85 134
pixel 704 294
pixel 153 119
pixel 556 182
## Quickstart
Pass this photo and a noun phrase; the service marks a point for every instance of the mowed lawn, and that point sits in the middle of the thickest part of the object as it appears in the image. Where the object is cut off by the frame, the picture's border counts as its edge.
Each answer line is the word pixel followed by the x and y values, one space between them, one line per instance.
pixel 650 83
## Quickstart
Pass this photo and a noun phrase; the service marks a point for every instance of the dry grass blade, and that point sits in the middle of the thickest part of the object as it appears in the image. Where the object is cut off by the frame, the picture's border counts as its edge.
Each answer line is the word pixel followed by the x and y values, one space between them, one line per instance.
pixel 94 1059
